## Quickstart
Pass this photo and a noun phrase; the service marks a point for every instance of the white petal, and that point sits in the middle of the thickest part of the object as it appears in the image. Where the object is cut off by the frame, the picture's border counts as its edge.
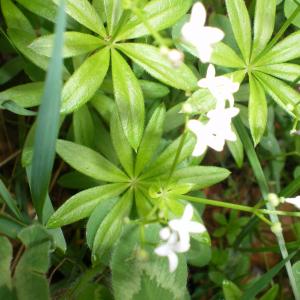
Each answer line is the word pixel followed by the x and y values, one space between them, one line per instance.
pixel 211 72
pixel 199 149
pixel 196 227
pixel 204 53
pixel 163 250
pixel 173 262
pixel 175 224
pixel 165 233
pixel 204 83
pixel 198 14
pixel 183 244
pixel 188 213
pixel 195 126
pixel 295 201
pixel 216 142
pixel 211 35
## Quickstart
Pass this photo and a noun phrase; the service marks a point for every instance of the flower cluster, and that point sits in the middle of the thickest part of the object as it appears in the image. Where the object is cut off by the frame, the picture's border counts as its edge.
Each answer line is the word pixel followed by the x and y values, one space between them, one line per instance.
pixel 275 200
pixel 177 237
pixel 217 128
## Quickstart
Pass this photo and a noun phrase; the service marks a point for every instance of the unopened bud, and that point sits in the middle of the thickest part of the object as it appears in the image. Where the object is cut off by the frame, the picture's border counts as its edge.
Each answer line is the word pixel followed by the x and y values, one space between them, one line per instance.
pixel 274 199
pixel 276 228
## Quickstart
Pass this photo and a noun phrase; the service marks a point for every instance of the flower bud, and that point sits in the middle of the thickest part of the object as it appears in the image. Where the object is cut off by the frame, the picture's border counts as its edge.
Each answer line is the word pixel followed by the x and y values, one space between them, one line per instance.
pixel 276 228
pixel 274 199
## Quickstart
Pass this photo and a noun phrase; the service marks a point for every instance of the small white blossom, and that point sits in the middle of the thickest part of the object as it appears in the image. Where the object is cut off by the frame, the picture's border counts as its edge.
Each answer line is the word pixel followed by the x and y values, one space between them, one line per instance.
pixel 201 37
pixel 175 56
pixel 215 132
pixel 221 87
pixel 184 226
pixel 295 201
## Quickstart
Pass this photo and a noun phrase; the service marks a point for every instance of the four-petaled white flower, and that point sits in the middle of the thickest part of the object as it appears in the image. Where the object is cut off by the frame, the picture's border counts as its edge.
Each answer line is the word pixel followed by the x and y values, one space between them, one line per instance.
pixel 221 87
pixel 215 131
pixel 201 37
pixel 177 237
pixel 295 201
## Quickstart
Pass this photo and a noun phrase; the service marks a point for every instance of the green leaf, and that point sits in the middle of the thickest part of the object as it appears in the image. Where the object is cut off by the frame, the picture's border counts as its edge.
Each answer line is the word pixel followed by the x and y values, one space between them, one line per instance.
pixel 25 95
pixel 89 162
pixel 296 271
pixel 10 69
pixel 284 51
pixel 129 99
pixel 104 105
pixel 153 90
pixel 231 291
pixel 151 139
pixel 225 56
pixel 285 71
pixel 241 27
pixel 199 254
pixel 47 124
pixel 16 109
pixel 236 148
pixel 84 13
pixel 143 271
pixel 8 200
pixel 6 252
pixel 44 8
pixel 158 66
pixel 200 176
pixel 289 7
pixel 283 94
pixel 75 43
pixel 160 14
pixel 265 13
pixel 77 181
pixel 258 110
pixel 10 226
pixel 120 143
pixel 111 227
pixel 82 205
pixel 83 84
pixel 271 294
pixel 83 125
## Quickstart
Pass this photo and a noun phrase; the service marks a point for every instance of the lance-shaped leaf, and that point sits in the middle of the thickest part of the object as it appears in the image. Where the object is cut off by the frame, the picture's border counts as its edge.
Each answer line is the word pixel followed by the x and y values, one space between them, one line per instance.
pixel 241 27
pixel 285 50
pixel 83 84
pixel 264 22
pixel 75 43
pixel 129 99
pixel 258 110
pixel 89 162
pixel 158 66
pixel 151 139
pixel 81 205
pixel 84 13
pixel 200 176
pixel 6 252
pixel 120 143
pixel 110 229
pixel 160 14
pixel 236 148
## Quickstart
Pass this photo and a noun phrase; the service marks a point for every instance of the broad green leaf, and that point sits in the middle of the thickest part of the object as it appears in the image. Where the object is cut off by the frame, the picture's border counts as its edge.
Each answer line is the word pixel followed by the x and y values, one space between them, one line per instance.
pixel 16 109
pixel 174 118
pixel 200 176
pixel 14 17
pixel 75 43
pixel 283 94
pixel 241 26
pixel 271 294
pixel 81 205
pixel 83 84
pixel 83 126
pixel 158 66
pixel 111 227
pixel 6 252
pixel 89 162
pixel 120 143
pixel 104 105
pixel 44 8
pixel 138 273
pixel 25 95
pixel 96 218
pixel 84 13
pixel 151 139
pixel 77 181
pixel 8 200
pixel 129 100
pixel 112 9
pixel 47 122
pixel 236 148
pixel 284 51
pixel 289 7
pixel 153 90
pixel 10 69
pixel 162 164
pixel 296 271
pixel 199 254
pixel 9 226
pixel 258 110
pixel 231 291
pixel 285 71
pixel 264 21
pixel 225 56
pixel 160 14
pixel 143 205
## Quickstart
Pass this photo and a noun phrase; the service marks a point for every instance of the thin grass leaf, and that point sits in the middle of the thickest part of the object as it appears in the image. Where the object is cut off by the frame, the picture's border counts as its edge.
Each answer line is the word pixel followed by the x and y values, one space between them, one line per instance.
pixel 48 120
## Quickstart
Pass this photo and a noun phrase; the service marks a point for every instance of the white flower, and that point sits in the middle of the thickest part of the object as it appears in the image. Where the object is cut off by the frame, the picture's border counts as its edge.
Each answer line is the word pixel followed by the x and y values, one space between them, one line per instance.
pixel 221 87
pixel 169 248
pixel 215 132
pixel 200 36
pixel 295 201
pixel 184 226
pixel 175 56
